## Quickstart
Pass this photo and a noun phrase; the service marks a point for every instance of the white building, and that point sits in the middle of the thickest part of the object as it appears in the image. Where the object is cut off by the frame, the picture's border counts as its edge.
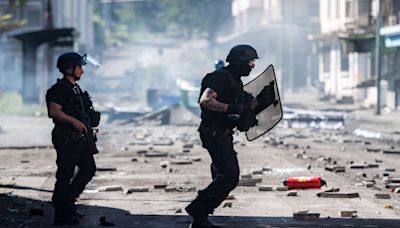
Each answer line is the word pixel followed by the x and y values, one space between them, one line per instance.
pixel 346 51
pixel 32 78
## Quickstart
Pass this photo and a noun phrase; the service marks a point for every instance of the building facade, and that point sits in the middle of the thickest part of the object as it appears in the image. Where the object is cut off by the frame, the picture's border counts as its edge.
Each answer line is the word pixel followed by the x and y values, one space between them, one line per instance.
pixel 45 29
pixel 346 47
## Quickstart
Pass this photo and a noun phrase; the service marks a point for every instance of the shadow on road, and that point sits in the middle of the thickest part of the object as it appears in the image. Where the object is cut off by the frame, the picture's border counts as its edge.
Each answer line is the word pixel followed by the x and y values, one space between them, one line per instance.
pixel 24 188
pixel 15 212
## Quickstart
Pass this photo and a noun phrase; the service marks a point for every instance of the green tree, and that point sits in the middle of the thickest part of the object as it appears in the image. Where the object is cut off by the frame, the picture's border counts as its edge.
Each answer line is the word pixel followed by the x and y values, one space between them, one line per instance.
pixel 187 18
pixel 7 21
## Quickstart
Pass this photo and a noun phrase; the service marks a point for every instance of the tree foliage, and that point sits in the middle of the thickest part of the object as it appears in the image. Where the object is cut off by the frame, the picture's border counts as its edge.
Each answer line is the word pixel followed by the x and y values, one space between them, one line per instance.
pixel 188 18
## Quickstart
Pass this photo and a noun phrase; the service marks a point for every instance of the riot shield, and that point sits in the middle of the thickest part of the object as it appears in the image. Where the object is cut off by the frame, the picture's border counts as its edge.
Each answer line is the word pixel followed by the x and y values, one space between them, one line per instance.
pixel 271 115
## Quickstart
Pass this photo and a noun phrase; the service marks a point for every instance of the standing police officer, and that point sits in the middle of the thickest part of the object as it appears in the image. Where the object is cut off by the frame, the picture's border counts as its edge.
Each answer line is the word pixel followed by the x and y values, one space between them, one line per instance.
pixel 225 105
pixel 68 138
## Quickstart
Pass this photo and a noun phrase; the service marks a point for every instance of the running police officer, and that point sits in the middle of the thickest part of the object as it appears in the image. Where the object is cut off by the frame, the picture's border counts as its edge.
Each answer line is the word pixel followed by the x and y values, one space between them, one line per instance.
pixel 68 136
pixel 225 105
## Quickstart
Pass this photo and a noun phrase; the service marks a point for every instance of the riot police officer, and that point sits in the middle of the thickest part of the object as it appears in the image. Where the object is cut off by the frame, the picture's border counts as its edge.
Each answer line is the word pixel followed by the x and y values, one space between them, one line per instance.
pixel 225 105
pixel 68 138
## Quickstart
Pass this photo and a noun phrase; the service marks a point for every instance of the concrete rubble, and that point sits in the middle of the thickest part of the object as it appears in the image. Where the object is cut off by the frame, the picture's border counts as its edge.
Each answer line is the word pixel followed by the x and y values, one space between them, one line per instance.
pixel 156 170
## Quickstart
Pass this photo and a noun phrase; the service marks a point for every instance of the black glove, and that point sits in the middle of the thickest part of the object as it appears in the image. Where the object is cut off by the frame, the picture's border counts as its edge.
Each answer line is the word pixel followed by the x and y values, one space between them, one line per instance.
pixel 247 120
pixel 235 108
pixel 267 94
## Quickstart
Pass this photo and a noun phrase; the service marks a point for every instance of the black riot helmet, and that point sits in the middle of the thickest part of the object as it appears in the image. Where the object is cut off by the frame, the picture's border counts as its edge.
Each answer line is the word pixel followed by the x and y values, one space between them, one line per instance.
pixel 70 60
pixel 241 54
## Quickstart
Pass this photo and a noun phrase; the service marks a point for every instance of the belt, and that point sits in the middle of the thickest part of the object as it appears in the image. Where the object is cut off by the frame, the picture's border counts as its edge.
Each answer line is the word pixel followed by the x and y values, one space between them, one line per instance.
pixel 67 133
pixel 213 127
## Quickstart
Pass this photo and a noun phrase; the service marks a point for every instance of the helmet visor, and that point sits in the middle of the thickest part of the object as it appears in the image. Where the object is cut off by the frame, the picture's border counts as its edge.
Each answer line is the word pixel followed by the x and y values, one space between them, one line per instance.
pixel 91 60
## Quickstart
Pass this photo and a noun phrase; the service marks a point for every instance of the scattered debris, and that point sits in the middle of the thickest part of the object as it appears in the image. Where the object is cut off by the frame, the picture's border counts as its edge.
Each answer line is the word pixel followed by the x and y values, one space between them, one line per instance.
pixel 266 169
pixel 141 152
pixel 178 211
pixel 110 188
pixel 24 161
pixel 136 189
pixel 163 142
pixel 164 164
pixel 156 154
pixel 305 215
pixel 257 171
pixel 292 193
pixel 134 160
pixel 387 206
pixel 369 149
pixel 393 180
pixel 390 170
pixel 338 195
pixel 281 188
pixel 348 214
pixel 358 166
pixel 368 184
pixel 393 185
pixel 196 159
pixel 227 204
pixel 336 168
pixel 373 166
pixel 382 196
pixel 249 182
pixel 246 176
pixel 329 190
pixel 160 186
pixel 181 162
pixel 230 197
pixel 391 151
pixel 188 146
pixel 106 169
pixel 266 188
pixel 180 189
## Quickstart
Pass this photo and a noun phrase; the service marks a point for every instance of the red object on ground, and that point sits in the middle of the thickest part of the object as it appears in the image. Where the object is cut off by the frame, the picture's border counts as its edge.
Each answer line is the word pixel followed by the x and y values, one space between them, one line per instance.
pixel 304 182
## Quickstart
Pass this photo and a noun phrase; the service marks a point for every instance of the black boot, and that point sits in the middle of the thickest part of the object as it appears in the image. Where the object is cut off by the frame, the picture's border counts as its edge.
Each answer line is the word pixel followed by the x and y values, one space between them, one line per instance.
pixel 76 212
pixel 196 210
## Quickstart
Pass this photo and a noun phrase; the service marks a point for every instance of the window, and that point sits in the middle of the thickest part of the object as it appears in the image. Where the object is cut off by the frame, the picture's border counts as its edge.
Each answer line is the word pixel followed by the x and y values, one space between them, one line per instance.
pixel 337 12
pixel 344 62
pixel 326 60
pixel 349 8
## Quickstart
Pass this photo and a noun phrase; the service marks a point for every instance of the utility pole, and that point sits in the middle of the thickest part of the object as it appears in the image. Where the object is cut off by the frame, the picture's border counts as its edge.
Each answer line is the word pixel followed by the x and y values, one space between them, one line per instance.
pixel 283 49
pixel 377 59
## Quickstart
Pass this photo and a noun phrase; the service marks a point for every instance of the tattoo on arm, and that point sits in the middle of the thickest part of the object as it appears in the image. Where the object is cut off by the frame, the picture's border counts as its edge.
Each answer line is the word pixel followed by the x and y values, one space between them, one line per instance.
pixel 208 101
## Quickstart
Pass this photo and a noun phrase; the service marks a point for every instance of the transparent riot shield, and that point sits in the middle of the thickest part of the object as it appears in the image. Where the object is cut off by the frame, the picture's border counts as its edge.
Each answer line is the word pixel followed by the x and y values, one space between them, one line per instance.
pixel 271 115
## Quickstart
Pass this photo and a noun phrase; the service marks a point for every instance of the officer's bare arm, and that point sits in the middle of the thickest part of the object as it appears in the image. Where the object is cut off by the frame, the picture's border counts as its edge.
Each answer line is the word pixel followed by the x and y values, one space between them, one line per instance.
pixel 208 101
pixel 55 112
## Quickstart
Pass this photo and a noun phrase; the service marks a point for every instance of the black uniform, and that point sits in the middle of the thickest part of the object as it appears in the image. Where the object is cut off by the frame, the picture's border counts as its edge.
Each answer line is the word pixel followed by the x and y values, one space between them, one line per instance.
pixel 216 131
pixel 71 151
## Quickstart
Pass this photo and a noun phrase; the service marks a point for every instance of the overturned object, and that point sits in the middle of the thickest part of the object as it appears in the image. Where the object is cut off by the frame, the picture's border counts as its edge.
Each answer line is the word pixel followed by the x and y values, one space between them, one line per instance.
pixel 305 215
pixel 348 214
pixel 304 182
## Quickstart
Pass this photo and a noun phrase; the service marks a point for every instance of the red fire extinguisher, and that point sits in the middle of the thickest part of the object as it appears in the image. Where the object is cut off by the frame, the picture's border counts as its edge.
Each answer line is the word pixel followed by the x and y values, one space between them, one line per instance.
pixel 304 182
